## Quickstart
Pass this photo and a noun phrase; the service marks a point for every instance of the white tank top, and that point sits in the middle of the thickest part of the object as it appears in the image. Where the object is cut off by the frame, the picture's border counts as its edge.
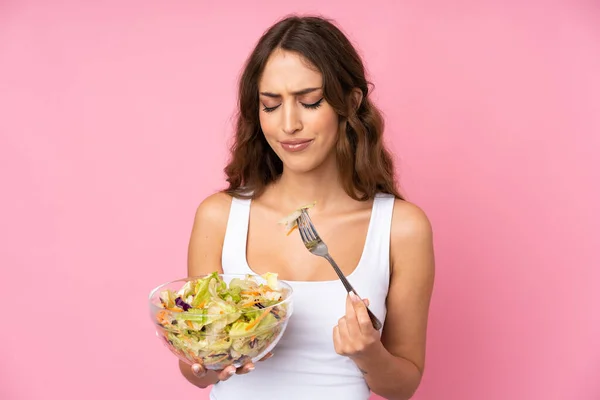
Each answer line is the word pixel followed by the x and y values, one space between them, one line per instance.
pixel 305 365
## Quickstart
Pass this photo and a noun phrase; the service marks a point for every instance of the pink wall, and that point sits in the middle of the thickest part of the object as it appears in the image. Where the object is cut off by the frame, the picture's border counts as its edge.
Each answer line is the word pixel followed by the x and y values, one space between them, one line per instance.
pixel 113 125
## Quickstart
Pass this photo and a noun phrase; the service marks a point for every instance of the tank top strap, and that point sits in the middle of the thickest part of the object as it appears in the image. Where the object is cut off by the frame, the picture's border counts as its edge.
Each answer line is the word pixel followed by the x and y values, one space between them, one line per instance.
pixel 233 257
pixel 377 257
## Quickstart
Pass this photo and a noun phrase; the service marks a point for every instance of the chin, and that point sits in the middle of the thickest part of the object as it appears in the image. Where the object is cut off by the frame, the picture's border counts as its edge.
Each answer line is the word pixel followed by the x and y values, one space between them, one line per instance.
pixel 303 165
pixel 299 169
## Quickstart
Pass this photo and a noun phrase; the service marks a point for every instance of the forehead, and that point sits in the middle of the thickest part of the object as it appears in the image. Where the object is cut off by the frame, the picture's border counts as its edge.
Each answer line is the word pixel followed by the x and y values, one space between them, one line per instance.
pixel 287 71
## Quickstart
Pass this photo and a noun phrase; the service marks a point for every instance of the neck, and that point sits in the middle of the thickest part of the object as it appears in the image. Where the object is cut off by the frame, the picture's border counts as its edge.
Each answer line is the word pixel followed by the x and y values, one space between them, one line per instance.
pixel 322 185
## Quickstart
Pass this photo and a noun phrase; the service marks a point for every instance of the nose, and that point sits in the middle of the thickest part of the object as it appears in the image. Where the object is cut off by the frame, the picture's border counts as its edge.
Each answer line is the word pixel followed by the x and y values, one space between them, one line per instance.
pixel 292 122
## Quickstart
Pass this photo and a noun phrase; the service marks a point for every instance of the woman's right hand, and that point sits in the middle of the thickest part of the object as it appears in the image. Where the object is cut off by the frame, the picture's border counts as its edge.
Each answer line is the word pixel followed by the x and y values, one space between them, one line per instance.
pixel 223 374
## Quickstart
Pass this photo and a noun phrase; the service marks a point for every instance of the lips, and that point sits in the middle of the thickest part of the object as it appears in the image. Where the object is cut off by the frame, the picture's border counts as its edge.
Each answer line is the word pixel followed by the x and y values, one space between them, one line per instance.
pixel 295 145
pixel 295 141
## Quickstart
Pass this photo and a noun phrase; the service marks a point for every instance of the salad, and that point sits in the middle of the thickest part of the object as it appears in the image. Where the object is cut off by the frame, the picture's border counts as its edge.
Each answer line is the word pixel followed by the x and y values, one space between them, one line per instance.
pixel 219 324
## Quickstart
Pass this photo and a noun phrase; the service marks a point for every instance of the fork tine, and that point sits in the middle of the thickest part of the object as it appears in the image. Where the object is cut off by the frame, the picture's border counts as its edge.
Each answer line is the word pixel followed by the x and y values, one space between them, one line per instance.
pixel 310 225
pixel 305 225
pixel 302 231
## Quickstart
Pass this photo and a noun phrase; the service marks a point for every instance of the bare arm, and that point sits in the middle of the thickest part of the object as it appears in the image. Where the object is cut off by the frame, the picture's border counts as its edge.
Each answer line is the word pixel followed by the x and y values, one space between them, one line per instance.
pixel 393 367
pixel 204 257
pixel 208 233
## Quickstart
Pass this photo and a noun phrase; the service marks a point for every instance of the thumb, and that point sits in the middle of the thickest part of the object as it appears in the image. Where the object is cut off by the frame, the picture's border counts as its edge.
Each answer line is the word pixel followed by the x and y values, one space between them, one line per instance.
pixel 198 370
pixel 367 302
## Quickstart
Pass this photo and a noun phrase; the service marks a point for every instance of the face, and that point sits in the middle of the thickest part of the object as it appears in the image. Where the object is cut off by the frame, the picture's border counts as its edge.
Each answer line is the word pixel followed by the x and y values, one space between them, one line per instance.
pixel 298 123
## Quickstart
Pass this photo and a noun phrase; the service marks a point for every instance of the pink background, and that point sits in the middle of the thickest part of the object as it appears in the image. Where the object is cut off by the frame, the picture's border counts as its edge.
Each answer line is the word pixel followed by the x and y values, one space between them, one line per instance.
pixel 114 122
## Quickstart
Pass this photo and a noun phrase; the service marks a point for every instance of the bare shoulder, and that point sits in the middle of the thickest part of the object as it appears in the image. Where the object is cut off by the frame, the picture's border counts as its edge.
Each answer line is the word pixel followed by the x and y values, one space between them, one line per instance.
pixel 214 208
pixel 410 225
pixel 208 233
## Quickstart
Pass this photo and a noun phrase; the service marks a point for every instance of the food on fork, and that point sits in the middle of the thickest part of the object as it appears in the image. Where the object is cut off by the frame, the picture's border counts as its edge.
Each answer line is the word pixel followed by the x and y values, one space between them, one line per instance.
pixel 291 221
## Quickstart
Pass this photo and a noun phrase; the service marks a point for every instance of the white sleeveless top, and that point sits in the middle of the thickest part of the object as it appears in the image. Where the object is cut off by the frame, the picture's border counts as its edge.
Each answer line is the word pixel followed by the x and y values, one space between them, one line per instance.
pixel 305 365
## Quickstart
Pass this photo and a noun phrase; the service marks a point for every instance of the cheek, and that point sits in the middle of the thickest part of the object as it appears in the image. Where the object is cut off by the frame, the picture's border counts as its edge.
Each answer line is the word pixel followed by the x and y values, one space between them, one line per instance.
pixel 327 126
pixel 266 125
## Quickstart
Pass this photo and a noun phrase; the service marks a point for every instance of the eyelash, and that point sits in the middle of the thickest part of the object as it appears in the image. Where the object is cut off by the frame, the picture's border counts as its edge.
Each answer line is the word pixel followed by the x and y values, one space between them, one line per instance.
pixel 312 106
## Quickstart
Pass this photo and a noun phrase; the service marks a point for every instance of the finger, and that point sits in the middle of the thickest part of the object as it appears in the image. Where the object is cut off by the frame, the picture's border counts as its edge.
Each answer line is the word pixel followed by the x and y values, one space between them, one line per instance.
pixel 367 302
pixel 249 367
pixel 362 315
pixel 267 356
pixel 337 340
pixel 350 312
pixel 351 319
pixel 198 370
pixel 343 331
pixel 226 373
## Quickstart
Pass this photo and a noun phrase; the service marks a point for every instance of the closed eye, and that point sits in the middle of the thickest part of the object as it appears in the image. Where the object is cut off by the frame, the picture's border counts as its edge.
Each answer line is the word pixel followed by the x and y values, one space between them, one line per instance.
pixel 308 106
pixel 313 105
pixel 269 109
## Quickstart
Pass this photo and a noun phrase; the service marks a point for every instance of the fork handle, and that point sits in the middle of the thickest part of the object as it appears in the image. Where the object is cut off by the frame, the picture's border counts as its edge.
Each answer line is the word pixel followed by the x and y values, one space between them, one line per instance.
pixel 374 320
pixel 377 325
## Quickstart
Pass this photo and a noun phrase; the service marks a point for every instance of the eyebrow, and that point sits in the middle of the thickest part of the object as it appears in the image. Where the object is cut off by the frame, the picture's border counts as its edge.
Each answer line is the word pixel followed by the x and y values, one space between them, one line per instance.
pixel 296 93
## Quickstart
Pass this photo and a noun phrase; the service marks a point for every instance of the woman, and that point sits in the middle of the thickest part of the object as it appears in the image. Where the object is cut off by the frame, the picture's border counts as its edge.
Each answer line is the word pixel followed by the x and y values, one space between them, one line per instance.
pixel 308 132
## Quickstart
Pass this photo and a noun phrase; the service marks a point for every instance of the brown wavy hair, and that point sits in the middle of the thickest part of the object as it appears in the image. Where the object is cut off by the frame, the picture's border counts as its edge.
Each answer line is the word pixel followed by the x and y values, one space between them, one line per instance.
pixel 366 166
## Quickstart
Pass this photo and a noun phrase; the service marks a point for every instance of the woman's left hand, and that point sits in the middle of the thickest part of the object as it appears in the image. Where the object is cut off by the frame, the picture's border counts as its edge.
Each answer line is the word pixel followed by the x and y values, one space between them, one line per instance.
pixel 354 335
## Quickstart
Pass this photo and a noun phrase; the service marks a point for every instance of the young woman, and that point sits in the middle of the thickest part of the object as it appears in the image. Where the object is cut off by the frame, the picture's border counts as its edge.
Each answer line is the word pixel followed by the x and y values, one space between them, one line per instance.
pixel 308 132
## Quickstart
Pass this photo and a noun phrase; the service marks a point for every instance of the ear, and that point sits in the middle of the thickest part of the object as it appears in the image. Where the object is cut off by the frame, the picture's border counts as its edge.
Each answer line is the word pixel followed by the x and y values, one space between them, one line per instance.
pixel 356 98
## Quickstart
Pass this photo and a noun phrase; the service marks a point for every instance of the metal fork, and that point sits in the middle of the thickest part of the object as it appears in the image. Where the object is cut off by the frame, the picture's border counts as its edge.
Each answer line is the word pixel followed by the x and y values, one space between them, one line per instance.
pixel 314 244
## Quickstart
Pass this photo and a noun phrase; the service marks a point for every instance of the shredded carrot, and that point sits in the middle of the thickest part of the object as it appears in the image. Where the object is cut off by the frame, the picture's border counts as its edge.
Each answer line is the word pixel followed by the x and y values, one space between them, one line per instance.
pixel 175 309
pixel 189 323
pixel 222 358
pixel 257 320
pixel 250 292
pixel 162 317
pixel 250 304
pixel 292 230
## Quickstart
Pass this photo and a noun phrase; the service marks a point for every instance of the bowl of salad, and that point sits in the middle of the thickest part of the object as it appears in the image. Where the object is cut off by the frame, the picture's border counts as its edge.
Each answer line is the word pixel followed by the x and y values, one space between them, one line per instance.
pixel 219 320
